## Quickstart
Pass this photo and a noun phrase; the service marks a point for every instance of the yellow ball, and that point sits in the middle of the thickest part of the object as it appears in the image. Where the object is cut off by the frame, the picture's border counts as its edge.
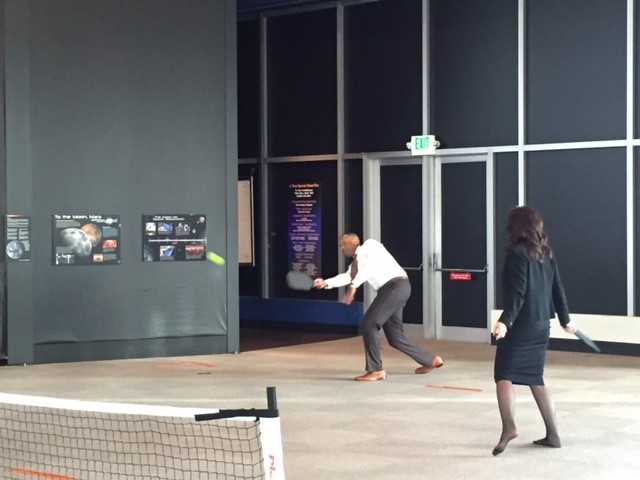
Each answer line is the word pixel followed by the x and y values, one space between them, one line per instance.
pixel 215 258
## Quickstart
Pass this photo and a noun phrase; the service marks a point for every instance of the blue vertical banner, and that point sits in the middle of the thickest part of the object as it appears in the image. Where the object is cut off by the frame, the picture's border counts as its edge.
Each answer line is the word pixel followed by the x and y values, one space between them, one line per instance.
pixel 305 228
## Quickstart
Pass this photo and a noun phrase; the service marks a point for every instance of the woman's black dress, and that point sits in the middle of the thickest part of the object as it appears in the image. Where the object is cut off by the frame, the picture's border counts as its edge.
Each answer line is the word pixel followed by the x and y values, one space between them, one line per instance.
pixel 533 293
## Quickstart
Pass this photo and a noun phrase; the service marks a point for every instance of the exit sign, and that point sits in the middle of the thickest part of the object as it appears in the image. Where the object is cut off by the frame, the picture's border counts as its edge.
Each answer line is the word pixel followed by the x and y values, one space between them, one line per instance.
pixel 423 145
pixel 460 276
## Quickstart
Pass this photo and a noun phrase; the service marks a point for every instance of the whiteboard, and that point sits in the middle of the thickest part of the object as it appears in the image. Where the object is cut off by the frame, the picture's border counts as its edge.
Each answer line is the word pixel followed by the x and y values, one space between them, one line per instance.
pixel 245 223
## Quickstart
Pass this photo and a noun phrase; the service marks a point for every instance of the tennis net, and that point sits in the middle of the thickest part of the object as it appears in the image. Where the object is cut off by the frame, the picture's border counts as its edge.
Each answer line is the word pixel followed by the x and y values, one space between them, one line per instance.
pixel 61 439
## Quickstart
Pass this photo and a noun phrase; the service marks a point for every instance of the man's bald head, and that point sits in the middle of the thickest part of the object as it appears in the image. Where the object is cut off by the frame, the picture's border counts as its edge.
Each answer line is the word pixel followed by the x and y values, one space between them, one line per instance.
pixel 348 244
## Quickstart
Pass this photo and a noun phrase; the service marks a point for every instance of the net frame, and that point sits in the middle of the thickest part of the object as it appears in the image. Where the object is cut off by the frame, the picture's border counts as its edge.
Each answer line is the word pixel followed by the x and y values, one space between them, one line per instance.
pixel 62 439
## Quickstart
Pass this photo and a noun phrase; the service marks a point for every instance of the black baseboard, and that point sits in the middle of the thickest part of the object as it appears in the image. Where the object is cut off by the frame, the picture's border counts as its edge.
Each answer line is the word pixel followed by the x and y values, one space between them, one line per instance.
pixel 608 348
pixel 300 327
pixel 127 349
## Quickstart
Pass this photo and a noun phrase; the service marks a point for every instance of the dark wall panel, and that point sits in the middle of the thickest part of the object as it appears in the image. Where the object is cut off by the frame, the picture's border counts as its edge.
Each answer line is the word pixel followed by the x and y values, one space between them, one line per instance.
pixel 249 89
pixel 383 77
pixel 474 72
pixel 576 70
pixel 302 105
pixel 581 195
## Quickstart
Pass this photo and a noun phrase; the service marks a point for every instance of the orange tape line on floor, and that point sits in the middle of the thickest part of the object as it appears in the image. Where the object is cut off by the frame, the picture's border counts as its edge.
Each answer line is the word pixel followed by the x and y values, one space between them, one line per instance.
pixel 184 364
pixel 466 389
pixel 36 473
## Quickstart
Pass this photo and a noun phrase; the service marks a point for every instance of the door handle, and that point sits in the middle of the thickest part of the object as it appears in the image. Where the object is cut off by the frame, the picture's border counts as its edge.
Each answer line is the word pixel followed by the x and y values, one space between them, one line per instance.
pixel 417 269
pixel 470 270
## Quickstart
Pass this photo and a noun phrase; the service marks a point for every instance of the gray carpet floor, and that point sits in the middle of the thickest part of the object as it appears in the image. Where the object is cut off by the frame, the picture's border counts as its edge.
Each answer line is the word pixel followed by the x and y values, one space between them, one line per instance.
pixel 437 426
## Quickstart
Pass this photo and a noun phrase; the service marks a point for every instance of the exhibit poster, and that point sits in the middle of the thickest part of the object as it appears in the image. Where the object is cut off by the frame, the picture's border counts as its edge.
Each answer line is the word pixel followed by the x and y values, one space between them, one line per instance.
pixel 18 238
pixel 304 228
pixel 174 237
pixel 246 241
pixel 86 239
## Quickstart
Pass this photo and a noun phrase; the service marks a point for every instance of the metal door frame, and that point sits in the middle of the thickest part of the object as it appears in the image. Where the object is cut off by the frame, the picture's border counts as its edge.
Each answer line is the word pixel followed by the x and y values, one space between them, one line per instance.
pixel 372 228
pixel 461 333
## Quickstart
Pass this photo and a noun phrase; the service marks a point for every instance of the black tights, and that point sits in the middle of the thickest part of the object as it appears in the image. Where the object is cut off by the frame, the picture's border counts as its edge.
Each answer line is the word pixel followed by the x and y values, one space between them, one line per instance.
pixel 507 406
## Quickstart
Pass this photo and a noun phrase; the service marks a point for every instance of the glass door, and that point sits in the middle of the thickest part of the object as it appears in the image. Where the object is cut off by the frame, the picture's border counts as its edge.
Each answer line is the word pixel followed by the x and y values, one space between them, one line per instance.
pixel 463 219
pixel 394 213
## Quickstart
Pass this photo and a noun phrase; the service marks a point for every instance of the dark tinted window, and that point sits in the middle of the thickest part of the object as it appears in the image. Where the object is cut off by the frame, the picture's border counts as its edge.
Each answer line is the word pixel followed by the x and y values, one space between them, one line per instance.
pixel 576 70
pixel 581 195
pixel 383 56
pixel 248 89
pixel 474 72
pixel 506 197
pixel 302 85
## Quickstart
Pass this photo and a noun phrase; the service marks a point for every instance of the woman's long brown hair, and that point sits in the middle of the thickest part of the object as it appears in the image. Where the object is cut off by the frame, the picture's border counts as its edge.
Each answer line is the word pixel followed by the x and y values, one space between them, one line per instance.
pixel 525 226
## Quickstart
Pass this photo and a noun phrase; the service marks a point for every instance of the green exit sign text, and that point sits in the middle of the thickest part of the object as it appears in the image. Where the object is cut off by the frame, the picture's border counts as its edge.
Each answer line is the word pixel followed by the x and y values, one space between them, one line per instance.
pixel 423 145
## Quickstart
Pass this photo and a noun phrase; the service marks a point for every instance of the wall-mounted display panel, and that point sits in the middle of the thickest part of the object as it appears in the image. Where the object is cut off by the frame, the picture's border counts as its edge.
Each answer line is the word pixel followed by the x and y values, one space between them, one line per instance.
pixel 246 237
pixel 85 239
pixel 250 275
pixel 174 237
pixel 319 213
pixel 18 238
pixel 305 228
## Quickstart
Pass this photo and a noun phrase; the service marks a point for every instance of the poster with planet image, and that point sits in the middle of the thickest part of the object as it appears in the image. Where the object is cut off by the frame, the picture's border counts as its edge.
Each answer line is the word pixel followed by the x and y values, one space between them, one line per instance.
pixel 18 238
pixel 86 239
pixel 174 237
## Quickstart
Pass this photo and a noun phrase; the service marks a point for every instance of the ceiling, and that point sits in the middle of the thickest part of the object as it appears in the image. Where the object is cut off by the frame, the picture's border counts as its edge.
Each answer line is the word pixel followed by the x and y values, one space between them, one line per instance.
pixel 245 6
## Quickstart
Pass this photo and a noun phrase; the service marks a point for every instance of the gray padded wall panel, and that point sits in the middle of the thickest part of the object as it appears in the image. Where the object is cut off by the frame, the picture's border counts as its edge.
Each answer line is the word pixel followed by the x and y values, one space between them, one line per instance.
pixel 122 108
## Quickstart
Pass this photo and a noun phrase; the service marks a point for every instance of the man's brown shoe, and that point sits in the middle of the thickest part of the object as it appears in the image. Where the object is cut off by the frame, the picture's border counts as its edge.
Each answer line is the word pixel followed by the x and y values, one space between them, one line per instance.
pixel 372 376
pixel 437 363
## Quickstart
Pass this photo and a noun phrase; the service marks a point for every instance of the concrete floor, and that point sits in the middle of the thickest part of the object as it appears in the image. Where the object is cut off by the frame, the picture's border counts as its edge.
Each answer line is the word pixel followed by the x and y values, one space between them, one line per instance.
pixel 439 426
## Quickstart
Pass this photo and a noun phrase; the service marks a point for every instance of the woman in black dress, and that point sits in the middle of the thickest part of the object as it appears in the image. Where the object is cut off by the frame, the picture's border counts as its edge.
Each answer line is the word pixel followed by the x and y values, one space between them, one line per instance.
pixel 533 293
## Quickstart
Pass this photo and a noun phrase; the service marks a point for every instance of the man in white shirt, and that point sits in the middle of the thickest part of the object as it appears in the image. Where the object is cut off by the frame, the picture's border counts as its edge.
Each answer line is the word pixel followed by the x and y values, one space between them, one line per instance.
pixel 374 264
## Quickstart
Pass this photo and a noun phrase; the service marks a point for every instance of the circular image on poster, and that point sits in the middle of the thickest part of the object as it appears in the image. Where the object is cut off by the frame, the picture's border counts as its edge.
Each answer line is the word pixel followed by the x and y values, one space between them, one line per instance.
pixel 77 241
pixel 15 249
pixel 93 232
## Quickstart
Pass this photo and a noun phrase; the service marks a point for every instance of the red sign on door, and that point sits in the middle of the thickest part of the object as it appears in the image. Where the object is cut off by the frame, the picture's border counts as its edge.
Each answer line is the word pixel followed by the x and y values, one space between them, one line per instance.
pixel 460 276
